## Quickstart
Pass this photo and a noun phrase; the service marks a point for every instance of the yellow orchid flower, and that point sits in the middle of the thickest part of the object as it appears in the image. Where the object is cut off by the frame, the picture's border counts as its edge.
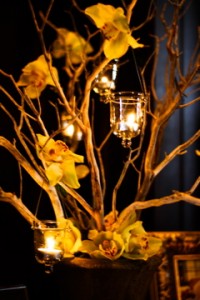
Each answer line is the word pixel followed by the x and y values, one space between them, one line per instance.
pixel 71 44
pixel 115 28
pixel 103 245
pixel 36 76
pixel 59 161
pixel 139 244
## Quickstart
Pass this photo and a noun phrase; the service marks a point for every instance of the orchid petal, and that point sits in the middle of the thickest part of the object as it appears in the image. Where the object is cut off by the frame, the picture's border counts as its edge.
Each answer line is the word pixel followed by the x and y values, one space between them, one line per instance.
pixel 117 47
pixel 120 21
pixel 69 174
pixel 71 155
pixel 82 171
pixel 133 42
pixel 100 13
pixel 72 237
pixel 54 173
pixel 33 92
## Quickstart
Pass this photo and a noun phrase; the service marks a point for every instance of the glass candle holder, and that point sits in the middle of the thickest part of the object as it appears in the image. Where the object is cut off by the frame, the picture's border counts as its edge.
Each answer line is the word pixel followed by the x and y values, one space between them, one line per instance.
pixel 105 82
pixel 127 114
pixel 48 243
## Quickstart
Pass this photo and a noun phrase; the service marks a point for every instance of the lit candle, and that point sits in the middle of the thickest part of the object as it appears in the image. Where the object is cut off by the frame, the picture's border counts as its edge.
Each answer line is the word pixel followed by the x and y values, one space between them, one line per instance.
pixel 103 85
pixel 68 129
pixel 131 122
pixel 49 250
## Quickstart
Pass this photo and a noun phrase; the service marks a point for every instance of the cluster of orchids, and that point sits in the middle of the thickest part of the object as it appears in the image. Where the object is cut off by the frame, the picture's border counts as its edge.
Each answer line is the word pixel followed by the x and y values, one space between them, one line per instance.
pixel 121 236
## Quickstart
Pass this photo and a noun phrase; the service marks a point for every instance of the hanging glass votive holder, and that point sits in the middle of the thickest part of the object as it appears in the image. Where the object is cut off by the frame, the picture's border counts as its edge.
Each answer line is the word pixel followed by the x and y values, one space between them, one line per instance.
pixel 105 82
pixel 127 114
pixel 48 243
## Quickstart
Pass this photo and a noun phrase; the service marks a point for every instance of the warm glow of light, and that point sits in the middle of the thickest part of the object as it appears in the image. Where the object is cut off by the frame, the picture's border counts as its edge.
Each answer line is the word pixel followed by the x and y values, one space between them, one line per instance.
pixel 131 123
pixel 104 79
pixel 105 82
pixel 49 248
pixel 68 129
pixel 79 135
pixel 50 243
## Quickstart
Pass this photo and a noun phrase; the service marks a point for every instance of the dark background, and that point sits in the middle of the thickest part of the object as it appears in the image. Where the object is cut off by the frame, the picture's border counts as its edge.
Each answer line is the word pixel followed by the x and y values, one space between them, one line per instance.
pixel 20 45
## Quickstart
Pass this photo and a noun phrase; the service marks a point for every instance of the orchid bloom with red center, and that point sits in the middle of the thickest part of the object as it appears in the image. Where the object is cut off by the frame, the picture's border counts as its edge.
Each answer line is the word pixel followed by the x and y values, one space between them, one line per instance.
pixel 139 244
pixel 114 25
pixel 59 161
pixel 36 76
pixel 104 244
pixel 71 45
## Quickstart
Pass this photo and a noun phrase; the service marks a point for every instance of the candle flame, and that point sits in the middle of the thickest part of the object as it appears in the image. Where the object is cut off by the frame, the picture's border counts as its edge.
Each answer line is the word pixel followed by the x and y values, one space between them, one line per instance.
pixel 131 122
pixel 68 129
pixel 50 243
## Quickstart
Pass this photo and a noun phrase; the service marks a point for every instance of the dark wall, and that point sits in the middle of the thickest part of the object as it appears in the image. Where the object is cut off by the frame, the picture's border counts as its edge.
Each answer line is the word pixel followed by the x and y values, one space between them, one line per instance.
pixel 19 45
pixel 182 172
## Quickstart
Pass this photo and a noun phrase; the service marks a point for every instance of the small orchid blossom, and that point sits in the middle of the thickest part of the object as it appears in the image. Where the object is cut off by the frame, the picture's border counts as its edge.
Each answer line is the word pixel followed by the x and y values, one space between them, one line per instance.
pixel 139 244
pixel 59 161
pixel 36 76
pixel 114 25
pixel 72 238
pixel 71 45
pixel 103 245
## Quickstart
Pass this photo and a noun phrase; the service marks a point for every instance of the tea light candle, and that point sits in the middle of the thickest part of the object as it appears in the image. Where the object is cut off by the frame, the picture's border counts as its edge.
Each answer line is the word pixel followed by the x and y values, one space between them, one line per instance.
pixel 103 85
pixel 51 253
pixel 131 122
pixel 49 250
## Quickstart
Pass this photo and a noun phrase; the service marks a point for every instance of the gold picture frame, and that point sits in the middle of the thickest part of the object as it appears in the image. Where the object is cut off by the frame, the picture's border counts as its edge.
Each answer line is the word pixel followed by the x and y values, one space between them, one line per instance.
pixel 187 276
pixel 175 243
